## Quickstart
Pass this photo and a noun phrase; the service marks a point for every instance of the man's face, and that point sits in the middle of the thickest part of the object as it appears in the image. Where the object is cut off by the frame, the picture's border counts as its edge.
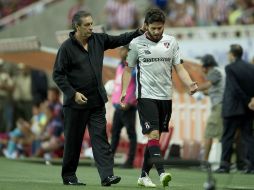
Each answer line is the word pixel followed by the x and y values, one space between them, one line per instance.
pixel 230 57
pixel 85 29
pixel 205 70
pixel 155 30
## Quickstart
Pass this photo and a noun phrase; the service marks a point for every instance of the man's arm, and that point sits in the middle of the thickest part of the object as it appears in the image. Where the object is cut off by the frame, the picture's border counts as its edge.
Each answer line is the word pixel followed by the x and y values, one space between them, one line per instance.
pixel 204 86
pixel 235 86
pixel 111 42
pixel 185 77
pixel 59 73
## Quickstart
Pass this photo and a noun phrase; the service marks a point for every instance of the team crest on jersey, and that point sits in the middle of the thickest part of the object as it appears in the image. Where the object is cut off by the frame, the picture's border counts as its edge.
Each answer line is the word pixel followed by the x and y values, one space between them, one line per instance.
pixel 166 44
pixel 147 125
pixel 147 52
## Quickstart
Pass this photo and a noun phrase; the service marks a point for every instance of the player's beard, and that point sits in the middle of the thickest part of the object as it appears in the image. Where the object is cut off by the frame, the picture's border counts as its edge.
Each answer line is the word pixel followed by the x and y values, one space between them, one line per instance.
pixel 153 37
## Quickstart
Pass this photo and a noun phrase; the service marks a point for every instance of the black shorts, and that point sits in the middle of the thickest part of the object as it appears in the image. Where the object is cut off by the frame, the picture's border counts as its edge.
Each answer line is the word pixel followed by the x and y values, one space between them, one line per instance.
pixel 154 114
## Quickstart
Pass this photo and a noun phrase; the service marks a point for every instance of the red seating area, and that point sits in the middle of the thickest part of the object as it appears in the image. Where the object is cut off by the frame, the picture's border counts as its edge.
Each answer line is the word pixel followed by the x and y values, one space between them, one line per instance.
pixel 8 7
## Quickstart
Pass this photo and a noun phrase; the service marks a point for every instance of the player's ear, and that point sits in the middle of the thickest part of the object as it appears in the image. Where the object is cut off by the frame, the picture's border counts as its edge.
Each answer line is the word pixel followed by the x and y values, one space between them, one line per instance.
pixel 146 25
pixel 77 27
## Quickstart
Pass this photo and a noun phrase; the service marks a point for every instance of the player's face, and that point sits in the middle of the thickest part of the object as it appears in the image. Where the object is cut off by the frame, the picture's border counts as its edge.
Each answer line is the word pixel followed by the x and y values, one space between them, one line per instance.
pixel 86 27
pixel 155 30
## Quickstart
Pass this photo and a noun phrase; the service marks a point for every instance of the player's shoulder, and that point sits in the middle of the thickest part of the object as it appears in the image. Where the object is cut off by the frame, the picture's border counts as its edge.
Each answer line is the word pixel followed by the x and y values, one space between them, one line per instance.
pixel 169 37
pixel 139 39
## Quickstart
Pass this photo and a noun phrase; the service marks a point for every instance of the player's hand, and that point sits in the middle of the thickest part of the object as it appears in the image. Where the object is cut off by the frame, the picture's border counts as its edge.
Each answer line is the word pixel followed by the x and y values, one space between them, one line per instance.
pixel 122 98
pixel 80 98
pixel 251 104
pixel 193 87
pixel 124 106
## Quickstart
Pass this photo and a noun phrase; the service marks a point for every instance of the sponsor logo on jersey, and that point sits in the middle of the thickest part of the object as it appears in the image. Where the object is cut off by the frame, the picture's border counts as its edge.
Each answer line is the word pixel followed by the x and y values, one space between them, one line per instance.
pixel 147 52
pixel 158 59
pixel 147 125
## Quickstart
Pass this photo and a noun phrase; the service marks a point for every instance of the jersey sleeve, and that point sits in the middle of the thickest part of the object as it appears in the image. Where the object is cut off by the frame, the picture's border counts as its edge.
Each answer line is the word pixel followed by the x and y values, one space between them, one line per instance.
pixel 132 54
pixel 176 53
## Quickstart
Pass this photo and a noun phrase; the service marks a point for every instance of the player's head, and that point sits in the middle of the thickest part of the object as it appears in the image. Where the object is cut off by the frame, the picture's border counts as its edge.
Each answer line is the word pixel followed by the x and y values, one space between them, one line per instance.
pixel 235 52
pixel 208 62
pixel 82 23
pixel 154 21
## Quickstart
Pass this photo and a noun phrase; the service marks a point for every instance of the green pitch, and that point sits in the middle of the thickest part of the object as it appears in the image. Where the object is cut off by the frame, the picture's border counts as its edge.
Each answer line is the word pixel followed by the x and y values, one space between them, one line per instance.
pixel 24 175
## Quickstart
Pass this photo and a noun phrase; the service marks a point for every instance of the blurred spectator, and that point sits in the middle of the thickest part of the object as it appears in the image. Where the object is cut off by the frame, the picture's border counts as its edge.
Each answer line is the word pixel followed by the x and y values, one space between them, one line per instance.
pixel 6 88
pixel 26 133
pixel 162 4
pixel 52 137
pixel 30 86
pixel 181 14
pixel 79 6
pixel 31 133
pixel 121 14
pixel 204 12
pixel 215 86
pixel 125 113
pixel 54 100
pixel 220 12
pixel 10 6
pixel 235 14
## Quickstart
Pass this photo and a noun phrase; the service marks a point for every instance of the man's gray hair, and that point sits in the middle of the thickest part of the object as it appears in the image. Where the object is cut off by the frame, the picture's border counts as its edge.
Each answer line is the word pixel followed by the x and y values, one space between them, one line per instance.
pixel 76 20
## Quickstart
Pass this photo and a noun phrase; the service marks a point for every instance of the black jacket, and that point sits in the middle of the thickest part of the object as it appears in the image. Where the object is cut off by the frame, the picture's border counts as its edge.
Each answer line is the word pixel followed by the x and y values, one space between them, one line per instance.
pixel 239 88
pixel 69 71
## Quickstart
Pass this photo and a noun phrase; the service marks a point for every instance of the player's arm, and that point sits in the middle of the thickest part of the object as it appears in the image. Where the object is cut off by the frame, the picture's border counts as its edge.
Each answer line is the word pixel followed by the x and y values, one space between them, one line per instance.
pixel 204 86
pixel 180 70
pixel 131 63
pixel 125 81
pixel 185 78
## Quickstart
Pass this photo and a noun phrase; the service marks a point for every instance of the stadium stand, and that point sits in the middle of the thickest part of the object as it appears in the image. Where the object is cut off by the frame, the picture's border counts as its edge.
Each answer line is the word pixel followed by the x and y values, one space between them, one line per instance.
pixel 13 11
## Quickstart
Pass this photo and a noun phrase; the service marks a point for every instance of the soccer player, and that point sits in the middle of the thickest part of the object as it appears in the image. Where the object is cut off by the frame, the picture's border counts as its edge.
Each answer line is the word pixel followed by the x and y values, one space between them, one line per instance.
pixel 154 54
